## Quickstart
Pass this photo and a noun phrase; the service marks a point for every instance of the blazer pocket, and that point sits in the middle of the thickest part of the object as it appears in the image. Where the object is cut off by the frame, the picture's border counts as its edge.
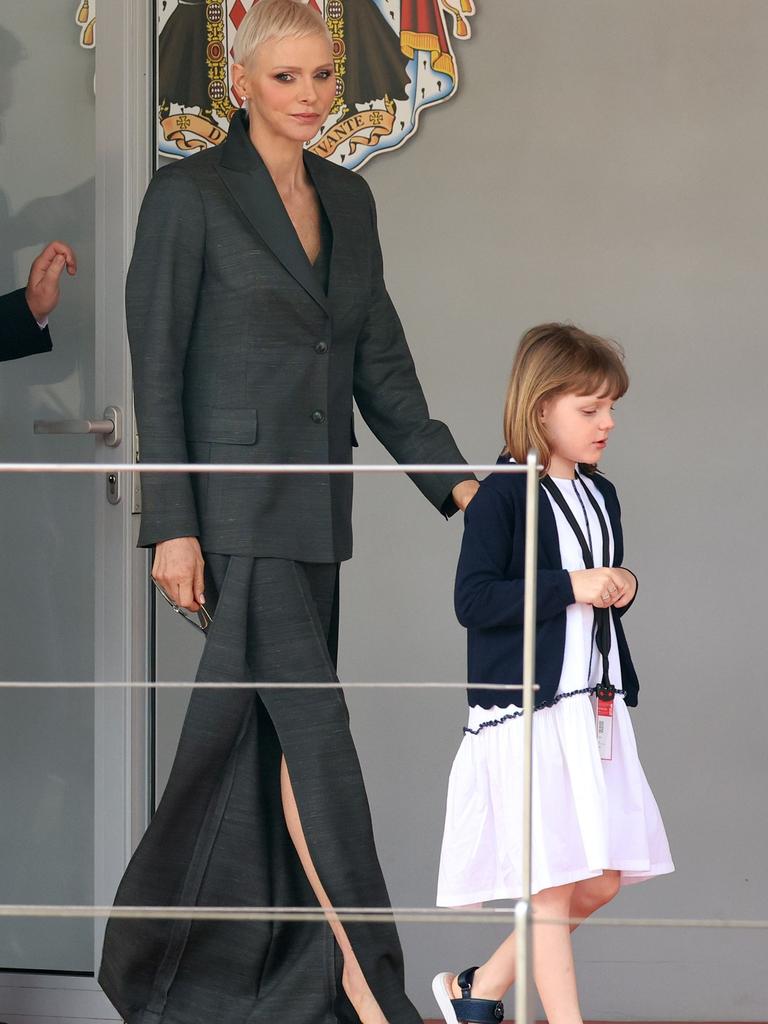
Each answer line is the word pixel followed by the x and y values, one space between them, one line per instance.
pixel 223 426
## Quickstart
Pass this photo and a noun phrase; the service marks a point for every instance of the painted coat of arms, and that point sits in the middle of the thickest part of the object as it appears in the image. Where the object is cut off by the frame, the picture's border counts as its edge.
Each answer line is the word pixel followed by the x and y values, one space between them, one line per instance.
pixel 393 58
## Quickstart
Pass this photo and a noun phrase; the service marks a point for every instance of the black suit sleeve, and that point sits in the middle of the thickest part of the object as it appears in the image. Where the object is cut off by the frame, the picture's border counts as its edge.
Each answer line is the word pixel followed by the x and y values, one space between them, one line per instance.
pixel 19 333
pixel 390 397
pixel 160 301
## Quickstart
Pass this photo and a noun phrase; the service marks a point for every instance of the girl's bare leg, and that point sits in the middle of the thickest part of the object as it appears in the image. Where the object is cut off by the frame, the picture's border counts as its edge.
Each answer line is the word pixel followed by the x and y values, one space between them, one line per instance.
pixel 497 974
pixel 353 979
pixel 553 968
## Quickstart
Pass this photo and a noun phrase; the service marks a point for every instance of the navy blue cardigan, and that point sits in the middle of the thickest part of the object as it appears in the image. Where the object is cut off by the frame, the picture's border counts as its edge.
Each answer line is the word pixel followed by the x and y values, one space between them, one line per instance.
pixel 489 592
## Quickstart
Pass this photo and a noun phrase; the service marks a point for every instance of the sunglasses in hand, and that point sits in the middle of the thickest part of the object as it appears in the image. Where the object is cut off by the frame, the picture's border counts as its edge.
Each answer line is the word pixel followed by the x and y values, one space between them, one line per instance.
pixel 201 619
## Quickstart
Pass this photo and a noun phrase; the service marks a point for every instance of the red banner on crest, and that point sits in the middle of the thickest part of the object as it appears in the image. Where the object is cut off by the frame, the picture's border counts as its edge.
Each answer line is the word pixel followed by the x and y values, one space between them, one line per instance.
pixel 422 27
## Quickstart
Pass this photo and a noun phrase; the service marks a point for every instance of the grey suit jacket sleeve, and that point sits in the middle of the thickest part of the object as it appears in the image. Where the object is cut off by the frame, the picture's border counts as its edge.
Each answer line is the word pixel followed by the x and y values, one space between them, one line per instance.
pixel 389 394
pixel 161 297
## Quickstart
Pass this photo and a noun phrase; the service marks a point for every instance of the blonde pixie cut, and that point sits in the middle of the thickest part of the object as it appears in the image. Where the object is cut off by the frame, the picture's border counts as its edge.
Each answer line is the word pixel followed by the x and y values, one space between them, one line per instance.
pixel 276 19
pixel 552 360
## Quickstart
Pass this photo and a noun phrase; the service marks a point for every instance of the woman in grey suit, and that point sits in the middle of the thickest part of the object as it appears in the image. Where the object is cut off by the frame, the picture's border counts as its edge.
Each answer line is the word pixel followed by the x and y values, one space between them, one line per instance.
pixel 256 311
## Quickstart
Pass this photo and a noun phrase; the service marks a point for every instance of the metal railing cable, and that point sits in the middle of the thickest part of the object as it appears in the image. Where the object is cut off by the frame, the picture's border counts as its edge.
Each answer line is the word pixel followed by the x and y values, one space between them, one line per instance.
pixel 366 915
pixel 194 685
pixel 257 468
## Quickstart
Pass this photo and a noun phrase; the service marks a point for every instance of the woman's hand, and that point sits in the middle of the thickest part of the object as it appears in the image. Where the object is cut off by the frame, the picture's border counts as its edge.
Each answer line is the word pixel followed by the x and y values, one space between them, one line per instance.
pixel 178 569
pixel 603 587
pixel 464 492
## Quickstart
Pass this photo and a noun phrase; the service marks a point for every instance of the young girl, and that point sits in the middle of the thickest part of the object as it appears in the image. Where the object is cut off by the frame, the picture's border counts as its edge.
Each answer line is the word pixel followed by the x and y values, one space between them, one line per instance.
pixel 596 825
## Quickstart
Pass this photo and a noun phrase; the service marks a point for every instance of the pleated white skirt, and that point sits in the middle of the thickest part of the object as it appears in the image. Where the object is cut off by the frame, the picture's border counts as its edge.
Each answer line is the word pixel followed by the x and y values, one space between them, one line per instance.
pixel 588 814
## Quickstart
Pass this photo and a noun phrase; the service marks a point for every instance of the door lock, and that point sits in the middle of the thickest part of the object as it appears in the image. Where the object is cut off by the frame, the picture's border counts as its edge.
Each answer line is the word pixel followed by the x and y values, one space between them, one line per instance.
pixel 113 488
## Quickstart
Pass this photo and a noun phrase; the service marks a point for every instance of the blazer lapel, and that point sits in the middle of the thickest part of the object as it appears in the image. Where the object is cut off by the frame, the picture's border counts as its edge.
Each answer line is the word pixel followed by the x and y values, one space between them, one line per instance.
pixel 250 184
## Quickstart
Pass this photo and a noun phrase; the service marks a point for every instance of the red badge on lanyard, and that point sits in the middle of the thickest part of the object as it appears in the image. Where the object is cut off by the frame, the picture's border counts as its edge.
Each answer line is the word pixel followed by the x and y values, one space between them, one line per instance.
pixel 605 695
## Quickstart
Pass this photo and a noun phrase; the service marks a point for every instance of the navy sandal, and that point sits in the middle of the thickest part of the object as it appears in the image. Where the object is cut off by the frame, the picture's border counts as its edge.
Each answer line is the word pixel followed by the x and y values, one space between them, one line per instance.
pixel 467 1010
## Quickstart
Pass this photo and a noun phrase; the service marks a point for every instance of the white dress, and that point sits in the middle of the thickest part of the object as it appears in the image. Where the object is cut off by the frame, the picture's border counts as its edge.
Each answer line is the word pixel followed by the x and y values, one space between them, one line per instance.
pixel 588 814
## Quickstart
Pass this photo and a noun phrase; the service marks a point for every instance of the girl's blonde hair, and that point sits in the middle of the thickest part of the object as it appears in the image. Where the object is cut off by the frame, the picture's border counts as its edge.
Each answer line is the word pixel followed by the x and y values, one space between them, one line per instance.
pixel 276 19
pixel 551 360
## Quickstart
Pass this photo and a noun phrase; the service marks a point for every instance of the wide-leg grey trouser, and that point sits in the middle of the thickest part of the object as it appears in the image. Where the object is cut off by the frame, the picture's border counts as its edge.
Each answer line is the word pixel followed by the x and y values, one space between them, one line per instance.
pixel 219 836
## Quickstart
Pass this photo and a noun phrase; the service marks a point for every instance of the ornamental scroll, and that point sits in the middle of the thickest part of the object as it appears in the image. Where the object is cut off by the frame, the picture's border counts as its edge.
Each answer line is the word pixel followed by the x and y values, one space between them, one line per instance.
pixel 393 59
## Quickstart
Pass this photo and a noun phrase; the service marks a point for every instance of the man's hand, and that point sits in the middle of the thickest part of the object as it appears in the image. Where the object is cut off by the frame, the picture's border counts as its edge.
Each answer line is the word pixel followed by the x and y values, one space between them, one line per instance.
pixel 43 286
pixel 464 492
pixel 178 569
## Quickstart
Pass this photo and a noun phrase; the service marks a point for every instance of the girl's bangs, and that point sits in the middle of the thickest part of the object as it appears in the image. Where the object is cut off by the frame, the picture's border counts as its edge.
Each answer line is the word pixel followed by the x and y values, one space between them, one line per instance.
pixel 603 374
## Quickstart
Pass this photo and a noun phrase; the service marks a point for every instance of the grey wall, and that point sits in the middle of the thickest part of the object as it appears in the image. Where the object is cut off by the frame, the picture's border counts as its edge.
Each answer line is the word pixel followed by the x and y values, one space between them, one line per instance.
pixel 604 162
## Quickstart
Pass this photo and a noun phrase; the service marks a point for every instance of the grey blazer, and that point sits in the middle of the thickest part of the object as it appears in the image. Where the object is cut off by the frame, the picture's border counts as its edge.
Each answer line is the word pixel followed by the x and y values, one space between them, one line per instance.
pixel 239 356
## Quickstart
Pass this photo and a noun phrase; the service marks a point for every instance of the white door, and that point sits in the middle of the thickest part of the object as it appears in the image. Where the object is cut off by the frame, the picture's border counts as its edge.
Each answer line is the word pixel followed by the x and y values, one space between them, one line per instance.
pixel 75 123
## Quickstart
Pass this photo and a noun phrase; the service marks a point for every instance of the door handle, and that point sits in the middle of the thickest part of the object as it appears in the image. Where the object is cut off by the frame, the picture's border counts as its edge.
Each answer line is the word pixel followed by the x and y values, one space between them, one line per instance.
pixel 110 428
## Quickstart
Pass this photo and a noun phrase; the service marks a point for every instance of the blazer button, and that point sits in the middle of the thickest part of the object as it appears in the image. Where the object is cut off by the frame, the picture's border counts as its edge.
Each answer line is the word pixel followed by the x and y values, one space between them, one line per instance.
pixel 321 348
pixel 318 416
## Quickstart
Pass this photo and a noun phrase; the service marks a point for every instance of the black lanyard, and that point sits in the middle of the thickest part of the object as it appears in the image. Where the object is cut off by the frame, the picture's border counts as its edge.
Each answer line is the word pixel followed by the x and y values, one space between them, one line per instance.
pixel 605 690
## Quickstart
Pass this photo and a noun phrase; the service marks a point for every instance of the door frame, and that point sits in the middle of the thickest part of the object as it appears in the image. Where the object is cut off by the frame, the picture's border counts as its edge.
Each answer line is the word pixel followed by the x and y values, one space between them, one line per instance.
pixel 124 150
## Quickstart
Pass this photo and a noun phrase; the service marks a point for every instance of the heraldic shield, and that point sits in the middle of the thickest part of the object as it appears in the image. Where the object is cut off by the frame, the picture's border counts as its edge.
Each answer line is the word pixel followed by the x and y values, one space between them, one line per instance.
pixel 393 58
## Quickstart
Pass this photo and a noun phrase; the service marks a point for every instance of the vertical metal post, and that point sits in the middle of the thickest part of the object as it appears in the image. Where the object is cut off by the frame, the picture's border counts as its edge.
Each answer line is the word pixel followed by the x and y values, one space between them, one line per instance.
pixel 523 929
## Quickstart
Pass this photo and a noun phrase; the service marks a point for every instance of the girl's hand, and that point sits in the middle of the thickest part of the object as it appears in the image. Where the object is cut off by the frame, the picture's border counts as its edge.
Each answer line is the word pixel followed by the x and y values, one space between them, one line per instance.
pixel 603 587
pixel 178 569
pixel 631 589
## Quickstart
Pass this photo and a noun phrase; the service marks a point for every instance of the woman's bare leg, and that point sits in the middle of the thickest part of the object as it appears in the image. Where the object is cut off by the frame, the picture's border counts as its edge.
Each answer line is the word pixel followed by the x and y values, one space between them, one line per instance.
pixel 497 974
pixel 353 979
